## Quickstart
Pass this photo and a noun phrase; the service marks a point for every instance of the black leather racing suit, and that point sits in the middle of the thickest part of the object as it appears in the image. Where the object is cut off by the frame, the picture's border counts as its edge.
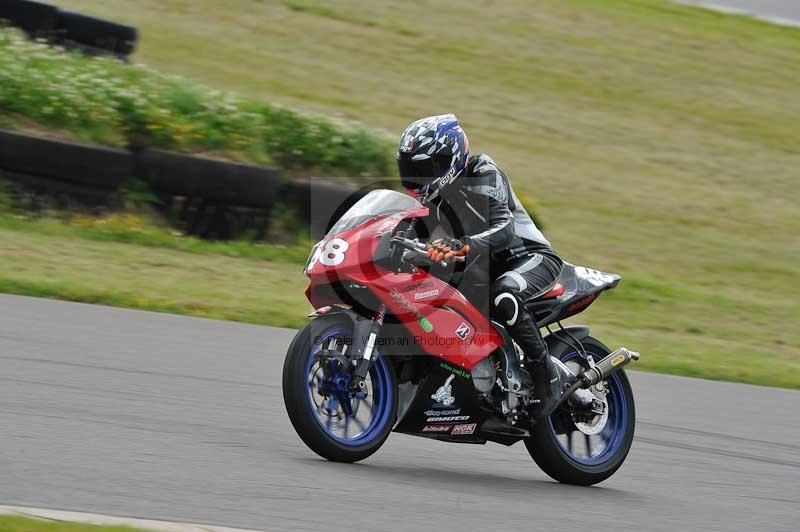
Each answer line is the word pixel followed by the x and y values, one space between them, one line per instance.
pixel 481 209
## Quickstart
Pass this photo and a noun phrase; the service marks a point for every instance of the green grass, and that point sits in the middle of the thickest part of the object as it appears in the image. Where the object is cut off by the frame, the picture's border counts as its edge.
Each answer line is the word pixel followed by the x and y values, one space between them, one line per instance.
pixel 658 141
pixel 152 278
pixel 13 523
pixel 143 230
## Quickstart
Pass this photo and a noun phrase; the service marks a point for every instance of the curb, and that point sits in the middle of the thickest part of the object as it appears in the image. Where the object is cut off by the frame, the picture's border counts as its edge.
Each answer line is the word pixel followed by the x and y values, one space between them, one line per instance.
pixel 108 520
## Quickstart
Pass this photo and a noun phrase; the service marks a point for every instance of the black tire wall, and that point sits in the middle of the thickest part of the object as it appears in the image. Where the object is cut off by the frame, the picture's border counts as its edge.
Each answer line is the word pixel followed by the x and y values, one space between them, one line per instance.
pixel 214 198
pixel 35 18
pixel 218 181
pixel 94 33
pixel 73 30
pixel 70 162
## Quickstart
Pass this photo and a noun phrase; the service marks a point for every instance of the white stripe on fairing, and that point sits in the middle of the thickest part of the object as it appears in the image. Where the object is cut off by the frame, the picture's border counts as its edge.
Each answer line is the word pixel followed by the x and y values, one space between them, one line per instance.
pixel 520 280
pixel 475 212
pixel 506 295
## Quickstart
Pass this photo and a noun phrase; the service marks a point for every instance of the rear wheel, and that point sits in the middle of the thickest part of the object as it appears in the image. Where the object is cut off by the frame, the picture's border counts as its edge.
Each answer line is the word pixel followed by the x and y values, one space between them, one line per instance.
pixel 586 450
pixel 335 422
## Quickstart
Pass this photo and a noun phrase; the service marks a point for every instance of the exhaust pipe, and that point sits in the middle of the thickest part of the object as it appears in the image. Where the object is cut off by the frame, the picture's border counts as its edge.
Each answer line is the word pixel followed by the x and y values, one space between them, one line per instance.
pixel 610 364
pixel 602 370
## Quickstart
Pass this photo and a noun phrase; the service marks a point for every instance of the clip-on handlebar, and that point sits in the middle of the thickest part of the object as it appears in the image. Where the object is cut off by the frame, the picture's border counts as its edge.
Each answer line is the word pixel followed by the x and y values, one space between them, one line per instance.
pixel 421 249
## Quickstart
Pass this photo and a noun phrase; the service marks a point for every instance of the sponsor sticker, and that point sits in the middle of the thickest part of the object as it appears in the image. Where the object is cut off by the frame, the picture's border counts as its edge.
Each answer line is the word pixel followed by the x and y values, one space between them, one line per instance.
pixel 461 430
pixel 458 371
pixel 583 303
pixel 418 286
pixel 426 325
pixel 408 144
pixel 453 412
pixel 447 418
pixel 439 429
pixel 409 307
pixel 463 331
pixel 618 360
pixel 444 395
pixel 423 295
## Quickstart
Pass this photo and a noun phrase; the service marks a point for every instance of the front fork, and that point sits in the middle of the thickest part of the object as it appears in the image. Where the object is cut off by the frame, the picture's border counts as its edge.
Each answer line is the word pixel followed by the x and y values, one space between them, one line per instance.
pixel 365 335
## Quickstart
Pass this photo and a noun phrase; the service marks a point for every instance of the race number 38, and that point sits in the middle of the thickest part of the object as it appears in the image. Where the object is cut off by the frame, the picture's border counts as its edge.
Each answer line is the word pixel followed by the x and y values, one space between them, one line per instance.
pixel 331 253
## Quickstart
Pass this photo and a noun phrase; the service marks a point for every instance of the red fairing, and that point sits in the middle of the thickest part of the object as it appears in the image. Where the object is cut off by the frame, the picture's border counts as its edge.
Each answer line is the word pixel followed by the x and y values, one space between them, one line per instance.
pixel 440 319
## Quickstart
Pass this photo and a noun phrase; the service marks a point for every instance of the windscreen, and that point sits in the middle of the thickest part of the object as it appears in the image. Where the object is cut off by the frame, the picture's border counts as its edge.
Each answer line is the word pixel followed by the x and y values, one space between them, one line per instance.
pixel 373 204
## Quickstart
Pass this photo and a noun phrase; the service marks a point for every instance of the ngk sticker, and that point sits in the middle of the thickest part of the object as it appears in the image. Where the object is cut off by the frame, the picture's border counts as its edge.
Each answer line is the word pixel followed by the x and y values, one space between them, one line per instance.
pixel 461 430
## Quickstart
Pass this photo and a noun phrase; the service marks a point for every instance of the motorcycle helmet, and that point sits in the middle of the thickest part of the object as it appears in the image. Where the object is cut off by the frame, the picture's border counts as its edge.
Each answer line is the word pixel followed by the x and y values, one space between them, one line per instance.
pixel 433 152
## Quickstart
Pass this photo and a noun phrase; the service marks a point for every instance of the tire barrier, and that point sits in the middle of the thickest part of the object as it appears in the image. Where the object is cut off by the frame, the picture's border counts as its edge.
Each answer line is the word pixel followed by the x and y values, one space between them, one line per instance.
pixel 37 19
pixel 320 205
pixel 94 35
pixel 208 197
pixel 70 29
pixel 69 162
pixel 211 198
pixel 209 179
pixel 46 194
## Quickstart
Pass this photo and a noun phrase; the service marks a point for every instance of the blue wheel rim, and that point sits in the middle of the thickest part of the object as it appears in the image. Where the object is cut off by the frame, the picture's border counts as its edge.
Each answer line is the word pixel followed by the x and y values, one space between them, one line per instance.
pixel 348 418
pixel 599 448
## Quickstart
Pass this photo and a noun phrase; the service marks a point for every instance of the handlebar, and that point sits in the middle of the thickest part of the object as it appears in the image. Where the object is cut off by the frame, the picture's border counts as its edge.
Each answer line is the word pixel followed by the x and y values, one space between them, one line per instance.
pixel 421 249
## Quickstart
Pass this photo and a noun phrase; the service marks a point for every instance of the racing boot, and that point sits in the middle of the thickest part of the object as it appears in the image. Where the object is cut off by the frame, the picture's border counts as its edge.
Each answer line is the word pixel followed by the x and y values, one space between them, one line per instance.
pixel 548 380
pixel 549 384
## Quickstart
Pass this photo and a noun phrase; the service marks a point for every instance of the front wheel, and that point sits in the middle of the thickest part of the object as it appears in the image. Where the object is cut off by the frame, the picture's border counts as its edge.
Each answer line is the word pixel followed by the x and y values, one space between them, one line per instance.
pixel 335 422
pixel 585 451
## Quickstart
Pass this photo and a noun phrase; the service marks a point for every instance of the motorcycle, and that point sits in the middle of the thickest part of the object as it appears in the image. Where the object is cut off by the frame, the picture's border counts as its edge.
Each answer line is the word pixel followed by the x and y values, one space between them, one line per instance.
pixel 394 346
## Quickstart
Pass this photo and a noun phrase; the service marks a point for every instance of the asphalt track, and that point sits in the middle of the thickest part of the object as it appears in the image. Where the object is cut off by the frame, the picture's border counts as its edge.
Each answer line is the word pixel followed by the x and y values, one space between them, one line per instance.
pixel 782 11
pixel 150 415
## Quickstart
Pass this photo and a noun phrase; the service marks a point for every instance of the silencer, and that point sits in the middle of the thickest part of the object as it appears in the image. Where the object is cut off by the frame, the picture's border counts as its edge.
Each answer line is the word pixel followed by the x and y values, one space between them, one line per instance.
pixel 610 364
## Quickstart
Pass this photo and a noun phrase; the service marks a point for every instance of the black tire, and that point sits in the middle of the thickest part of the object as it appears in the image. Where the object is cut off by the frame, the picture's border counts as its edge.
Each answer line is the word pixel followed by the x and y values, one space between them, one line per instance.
pixel 553 460
pixel 95 32
pixel 295 383
pixel 35 18
pixel 200 177
pixel 70 162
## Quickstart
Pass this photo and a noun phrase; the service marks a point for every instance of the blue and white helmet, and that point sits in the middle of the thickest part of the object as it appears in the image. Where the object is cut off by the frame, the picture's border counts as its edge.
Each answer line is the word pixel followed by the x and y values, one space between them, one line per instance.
pixel 433 152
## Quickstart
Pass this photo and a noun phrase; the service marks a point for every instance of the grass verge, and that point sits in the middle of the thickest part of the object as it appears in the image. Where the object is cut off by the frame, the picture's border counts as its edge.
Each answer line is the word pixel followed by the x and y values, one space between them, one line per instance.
pixel 13 523
pixel 78 268
pixel 142 230
pixel 153 278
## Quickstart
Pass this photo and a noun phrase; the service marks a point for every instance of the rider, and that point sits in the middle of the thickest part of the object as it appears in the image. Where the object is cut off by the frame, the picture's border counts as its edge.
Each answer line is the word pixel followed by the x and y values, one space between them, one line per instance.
pixel 474 198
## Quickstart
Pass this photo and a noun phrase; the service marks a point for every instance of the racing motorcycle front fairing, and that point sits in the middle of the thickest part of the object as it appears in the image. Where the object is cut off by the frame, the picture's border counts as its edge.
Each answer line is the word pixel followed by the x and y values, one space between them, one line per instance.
pixel 355 268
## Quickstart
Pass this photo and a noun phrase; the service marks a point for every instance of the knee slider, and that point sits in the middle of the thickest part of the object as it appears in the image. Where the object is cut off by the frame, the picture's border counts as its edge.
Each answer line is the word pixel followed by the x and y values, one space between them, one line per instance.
pixel 506 303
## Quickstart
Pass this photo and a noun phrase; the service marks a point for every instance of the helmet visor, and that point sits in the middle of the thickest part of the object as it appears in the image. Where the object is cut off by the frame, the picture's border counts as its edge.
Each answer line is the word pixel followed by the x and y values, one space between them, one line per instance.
pixel 417 174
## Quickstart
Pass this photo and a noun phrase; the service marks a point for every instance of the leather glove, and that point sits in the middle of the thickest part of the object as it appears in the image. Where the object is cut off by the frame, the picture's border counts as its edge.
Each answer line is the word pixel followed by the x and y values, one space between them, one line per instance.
pixel 446 248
